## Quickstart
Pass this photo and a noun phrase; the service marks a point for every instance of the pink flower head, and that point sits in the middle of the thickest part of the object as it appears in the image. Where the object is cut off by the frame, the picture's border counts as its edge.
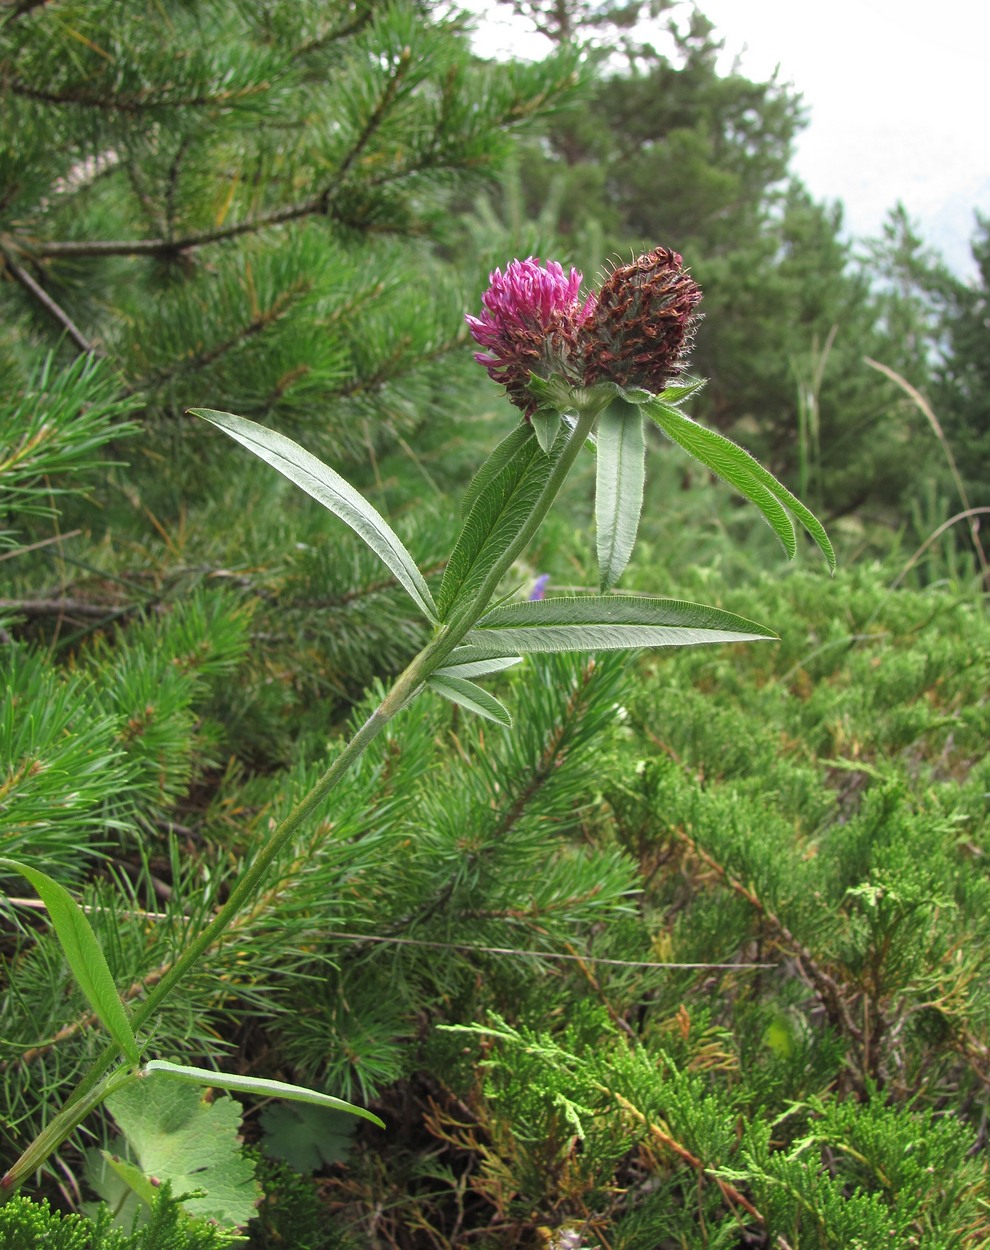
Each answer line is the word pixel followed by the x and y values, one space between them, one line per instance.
pixel 529 324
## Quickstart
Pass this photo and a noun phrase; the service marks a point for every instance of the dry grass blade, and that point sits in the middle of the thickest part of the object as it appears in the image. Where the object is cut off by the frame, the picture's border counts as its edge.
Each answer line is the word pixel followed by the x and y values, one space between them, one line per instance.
pixel 926 409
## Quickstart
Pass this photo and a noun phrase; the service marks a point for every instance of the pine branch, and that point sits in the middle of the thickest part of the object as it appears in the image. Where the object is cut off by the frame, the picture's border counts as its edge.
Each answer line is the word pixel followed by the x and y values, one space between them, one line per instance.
pixel 386 369
pixel 323 41
pixel 349 596
pixel 322 205
pixel 88 1020
pixel 59 607
pixel 132 105
pixel 43 542
pixel 375 119
pixel 546 766
pixel 143 197
pixel 55 310
pixel 319 206
pixel 292 876
pixel 395 363
pixel 551 756
pixel 173 184
pixel 171 247
pixel 259 322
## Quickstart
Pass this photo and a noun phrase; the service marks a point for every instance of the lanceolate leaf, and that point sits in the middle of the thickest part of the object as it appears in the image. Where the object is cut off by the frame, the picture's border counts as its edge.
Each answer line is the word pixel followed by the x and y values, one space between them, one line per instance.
pixel 495 463
pixel 257 1085
pixel 740 470
pixel 714 456
pixel 463 657
pixel 467 695
pixel 500 510
pixel 475 668
pixel 329 488
pixel 619 487
pixel 607 623
pixel 83 955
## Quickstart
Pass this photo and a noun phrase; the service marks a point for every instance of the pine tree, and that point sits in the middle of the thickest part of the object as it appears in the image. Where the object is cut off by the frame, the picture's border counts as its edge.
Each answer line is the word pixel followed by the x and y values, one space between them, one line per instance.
pixel 961 393
pixel 238 206
pixel 235 200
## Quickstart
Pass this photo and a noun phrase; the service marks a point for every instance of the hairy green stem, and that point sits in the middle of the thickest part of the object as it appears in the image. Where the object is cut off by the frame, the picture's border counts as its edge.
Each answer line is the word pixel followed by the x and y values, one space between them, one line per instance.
pixel 59 1128
pixel 96 1085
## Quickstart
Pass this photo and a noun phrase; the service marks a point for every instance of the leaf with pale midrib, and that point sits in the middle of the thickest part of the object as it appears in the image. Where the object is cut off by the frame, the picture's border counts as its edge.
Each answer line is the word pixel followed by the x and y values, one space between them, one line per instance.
pixel 606 623
pixel 747 475
pixel 471 697
pixel 84 956
pixel 495 463
pixel 327 487
pixel 499 512
pixel 621 472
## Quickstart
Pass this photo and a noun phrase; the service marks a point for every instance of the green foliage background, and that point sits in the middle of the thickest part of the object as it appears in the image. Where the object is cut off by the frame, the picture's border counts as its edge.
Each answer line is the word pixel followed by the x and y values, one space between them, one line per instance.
pixel 694 957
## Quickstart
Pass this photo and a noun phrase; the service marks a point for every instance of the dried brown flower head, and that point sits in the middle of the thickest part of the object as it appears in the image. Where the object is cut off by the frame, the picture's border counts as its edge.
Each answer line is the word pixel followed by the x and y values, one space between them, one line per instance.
pixel 643 323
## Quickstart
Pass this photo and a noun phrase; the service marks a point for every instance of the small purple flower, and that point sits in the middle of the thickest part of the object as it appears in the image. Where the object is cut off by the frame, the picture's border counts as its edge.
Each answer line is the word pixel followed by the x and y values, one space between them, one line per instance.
pixel 529 324
pixel 539 587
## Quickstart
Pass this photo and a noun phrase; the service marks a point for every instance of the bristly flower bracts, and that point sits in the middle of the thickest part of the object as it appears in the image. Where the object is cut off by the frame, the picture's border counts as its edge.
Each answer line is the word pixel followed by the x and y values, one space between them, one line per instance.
pixel 643 323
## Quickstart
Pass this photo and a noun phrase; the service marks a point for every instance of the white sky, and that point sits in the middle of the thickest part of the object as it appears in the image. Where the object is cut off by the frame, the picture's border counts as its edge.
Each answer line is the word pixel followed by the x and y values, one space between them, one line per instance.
pixel 897 91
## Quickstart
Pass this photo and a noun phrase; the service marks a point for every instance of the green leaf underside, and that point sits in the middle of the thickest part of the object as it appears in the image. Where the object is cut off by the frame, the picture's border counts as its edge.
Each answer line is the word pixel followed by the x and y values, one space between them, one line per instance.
pixel 621 473
pixel 84 956
pixel 477 668
pixel 617 609
pixel 467 695
pixel 716 459
pixel 546 426
pixel 327 487
pixel 499 512
pixel 257 1085
pixel 607 623
pixel 742 471
pixel 495 463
